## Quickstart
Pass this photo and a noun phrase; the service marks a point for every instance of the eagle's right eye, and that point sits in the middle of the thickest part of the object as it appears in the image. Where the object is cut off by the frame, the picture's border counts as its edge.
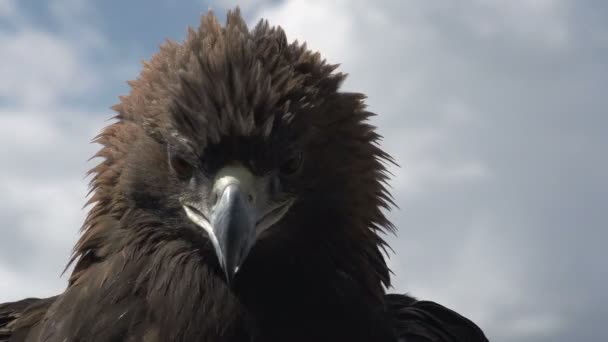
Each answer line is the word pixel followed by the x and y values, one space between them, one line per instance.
pixel 182 167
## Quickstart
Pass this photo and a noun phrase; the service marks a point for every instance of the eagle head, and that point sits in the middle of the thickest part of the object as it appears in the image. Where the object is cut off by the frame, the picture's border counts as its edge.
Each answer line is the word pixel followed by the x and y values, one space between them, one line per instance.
pixel 235 149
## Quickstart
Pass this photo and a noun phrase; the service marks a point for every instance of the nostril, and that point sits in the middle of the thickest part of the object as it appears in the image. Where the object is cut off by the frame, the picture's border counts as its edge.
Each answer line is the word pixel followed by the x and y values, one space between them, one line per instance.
pixel 250 198
pixel 214 197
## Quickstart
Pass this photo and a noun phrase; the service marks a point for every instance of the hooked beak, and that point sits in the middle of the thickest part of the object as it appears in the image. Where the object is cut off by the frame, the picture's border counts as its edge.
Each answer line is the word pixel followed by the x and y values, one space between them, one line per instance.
pixel 235 215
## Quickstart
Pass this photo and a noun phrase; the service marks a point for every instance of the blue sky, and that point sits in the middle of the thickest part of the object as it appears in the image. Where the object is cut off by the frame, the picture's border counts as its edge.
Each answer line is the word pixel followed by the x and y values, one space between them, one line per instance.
pixel 495 110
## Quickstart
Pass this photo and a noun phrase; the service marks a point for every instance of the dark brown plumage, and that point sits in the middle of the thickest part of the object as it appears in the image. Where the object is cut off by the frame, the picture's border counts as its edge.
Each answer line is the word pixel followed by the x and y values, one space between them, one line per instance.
pixel 239 198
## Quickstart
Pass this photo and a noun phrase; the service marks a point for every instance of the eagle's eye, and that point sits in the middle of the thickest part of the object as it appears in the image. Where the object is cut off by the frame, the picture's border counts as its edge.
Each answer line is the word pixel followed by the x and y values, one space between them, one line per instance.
pixel 292 164
pixel 181 166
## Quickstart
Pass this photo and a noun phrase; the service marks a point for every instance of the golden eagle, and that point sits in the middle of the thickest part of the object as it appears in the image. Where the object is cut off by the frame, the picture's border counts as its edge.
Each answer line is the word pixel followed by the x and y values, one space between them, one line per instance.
pixel 240 197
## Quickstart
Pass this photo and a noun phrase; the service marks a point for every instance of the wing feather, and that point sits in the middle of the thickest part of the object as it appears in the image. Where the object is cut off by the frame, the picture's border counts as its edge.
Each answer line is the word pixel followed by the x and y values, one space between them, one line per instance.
pixel 18 318
pixel 421 321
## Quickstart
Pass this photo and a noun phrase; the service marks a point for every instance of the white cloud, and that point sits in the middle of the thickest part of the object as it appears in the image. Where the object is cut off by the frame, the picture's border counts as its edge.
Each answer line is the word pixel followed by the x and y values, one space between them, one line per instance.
pixel 307 21
pixel 533 326
pixel 78 19
pixel 246 6
pixel 43 190
pixel 40 69
pixel 49 218
pixel 422 174
pixel 45 141
pixel 543 21
pixel 25 130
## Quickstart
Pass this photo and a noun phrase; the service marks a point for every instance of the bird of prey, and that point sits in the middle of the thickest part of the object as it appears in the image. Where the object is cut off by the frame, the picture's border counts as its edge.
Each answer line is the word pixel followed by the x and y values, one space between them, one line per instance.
pixel 240 197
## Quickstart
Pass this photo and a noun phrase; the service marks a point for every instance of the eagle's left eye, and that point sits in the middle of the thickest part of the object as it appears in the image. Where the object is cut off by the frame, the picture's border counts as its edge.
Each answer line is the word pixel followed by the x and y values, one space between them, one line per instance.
pixel 292 164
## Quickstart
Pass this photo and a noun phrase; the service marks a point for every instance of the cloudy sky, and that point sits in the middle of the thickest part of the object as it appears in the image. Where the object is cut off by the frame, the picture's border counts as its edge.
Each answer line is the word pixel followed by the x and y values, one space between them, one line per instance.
pixel 495 110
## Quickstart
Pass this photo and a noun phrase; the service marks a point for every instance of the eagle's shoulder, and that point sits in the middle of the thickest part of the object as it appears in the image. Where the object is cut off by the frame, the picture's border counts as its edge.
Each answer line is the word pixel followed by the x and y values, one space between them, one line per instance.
pixel 17 318
pixel 421 321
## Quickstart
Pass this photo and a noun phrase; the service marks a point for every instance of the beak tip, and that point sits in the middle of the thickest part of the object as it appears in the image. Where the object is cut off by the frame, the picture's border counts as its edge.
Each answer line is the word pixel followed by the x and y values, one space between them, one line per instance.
pixel 229 274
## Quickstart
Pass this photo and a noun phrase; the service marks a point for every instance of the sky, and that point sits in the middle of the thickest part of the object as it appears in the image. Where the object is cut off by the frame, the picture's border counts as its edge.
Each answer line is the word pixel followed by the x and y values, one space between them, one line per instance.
pixel 494 110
